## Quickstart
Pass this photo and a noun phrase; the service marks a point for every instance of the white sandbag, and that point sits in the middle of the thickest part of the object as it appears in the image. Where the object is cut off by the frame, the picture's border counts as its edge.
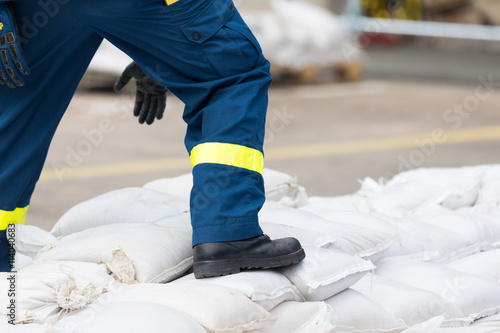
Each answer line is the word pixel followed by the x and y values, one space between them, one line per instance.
pixel 362 242
pixel 404 242
pixel 411 305
pixel 127 317
pixel 22 261
pixel 351 202
pixel 489 194
pixel 30 240
pixel 438 244
pixel 325 272
pixel 295 317
pixel 267 288
pixel 179 186
pixel 305 237
pixel 279 187
pixel 216 308
pixel 416 189
pixel 142 252
pixel 51 290
pixel 128 205
pixel 484 264
pixel 479 232
pixel 353 312
pixel 473 296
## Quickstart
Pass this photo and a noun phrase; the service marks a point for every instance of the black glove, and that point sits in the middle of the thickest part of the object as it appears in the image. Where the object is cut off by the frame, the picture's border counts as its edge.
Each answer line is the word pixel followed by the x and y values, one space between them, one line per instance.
pixel 12 65
pixel 151 98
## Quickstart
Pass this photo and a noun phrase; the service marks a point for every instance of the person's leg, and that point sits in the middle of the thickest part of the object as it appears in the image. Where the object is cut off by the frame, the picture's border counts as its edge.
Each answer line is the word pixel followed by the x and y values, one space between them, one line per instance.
pixel 206 55
pixel 58 50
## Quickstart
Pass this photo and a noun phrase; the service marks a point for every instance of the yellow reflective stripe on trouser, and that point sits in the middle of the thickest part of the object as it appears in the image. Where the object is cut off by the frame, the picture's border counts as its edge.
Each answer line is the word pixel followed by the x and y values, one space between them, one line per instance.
pixel 228 154
pixel 16 216
pixel 169 2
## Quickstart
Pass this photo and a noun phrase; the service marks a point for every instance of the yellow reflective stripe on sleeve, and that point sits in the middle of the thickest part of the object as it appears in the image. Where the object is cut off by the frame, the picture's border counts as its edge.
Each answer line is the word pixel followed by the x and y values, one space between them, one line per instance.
pixel 16 216
pixel 228 154
pixel 169 2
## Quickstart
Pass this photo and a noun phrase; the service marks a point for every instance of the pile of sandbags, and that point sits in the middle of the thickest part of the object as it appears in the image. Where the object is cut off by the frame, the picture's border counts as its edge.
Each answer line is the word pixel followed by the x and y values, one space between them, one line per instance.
pixel 417 253
pixel 295 34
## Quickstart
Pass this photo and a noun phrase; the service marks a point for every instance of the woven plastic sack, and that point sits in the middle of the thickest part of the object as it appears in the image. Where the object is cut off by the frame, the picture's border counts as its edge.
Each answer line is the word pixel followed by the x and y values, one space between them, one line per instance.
pixel 295 317
pixel 351 239
pixel 142 252
pixel 267 288
pixel 484 264
pixel 218 309
pixel 52 290
pixel 472 295
pixel 126 317
pixel 128 205
pixel 325 272
pixel 409 304
pixel 355 313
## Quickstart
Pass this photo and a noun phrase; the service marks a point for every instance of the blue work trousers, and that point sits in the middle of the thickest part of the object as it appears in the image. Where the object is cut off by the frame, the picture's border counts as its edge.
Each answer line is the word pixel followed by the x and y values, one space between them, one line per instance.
pixel 201 50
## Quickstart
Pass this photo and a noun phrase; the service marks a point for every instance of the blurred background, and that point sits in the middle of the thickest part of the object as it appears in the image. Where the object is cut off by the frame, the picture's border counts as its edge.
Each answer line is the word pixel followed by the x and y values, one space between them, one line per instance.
pixel 363 88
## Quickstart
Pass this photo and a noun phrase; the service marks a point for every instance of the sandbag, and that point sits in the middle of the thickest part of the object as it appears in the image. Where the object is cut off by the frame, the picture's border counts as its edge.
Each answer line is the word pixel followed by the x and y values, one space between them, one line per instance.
pixel 412 190
pixel 142 252
pixel 404 243
pixel 325 272
pixel 479 232
pixel 473 296
pixel 359 241
pixel 216 308
pixel 128 205
pixel 356 313
pixel 438 244
pixel 409 304
pixel 489 194
pixel 295 317
pixel 484 264
pixel 22 261
pixel 126 317
pixel 52 290
pixel 267 288
pixel 351 202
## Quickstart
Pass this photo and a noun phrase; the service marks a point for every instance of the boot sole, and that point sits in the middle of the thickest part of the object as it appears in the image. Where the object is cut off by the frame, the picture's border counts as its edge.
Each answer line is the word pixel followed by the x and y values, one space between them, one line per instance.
pixel 212 268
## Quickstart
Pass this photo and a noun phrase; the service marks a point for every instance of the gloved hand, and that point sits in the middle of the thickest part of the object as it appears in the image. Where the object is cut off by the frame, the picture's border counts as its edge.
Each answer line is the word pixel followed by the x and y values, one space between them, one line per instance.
pixel 151 98
pixel 12 65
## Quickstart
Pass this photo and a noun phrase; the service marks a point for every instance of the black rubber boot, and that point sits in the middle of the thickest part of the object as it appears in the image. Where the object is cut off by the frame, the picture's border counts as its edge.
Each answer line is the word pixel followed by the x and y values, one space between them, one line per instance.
pixel 224 258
